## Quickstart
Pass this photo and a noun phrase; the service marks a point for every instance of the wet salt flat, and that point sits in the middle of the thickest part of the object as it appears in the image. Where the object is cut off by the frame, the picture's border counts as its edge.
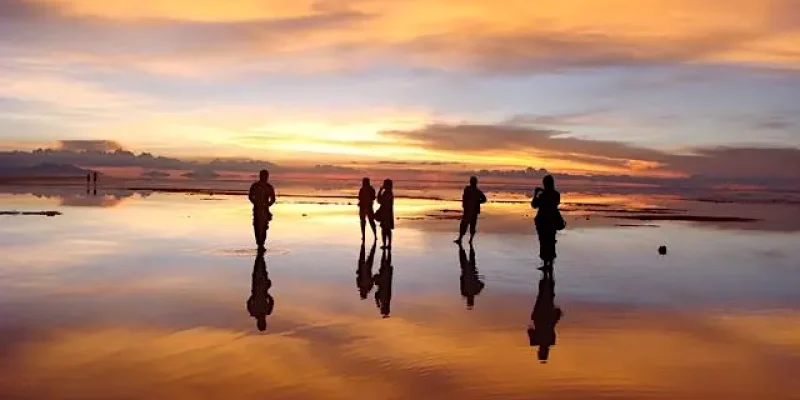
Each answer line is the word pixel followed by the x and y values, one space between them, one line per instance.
pixel 146 298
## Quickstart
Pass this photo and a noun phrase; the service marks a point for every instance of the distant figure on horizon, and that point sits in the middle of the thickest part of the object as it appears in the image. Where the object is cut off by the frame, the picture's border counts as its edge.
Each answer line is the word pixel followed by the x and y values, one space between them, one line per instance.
pixel 471 284
pixel 88 179
pixel 383 280
pixel 262 195
pixel 261 303
pixel 544 318
pixel 385 213
pixel 471 202
pixel 548 220
pixel 366 199
pixel 95 177
pixel 364 279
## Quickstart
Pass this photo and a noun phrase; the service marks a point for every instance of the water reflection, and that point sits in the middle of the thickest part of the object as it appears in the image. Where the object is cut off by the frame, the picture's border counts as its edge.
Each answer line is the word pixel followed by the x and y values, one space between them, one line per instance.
pixel 383 280
pixel 261 303
pixel 544 318
pixel 364 280
pixel 471 283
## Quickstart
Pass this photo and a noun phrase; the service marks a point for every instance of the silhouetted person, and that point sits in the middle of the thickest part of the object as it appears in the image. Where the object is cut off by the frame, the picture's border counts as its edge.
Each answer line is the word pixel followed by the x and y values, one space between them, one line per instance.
pixel 385 214
pixel 383 280
pixel 88 179
pixel 262 195
pixel 471 201
pixel 364 273
pixel 366 199
pixel 261 303
pixel 544 318
pixel 95 177
pixel 548 220
pixel 471 284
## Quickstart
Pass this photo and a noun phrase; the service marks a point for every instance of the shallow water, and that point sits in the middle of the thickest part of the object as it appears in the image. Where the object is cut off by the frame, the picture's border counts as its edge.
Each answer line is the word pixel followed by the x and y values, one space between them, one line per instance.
pixel 146 297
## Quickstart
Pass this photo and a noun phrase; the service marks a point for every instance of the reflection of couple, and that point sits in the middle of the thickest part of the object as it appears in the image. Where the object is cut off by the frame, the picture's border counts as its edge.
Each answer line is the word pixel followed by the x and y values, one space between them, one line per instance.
pixel 382 280
pixel 544 318
pixel 385 213
pixel 261 303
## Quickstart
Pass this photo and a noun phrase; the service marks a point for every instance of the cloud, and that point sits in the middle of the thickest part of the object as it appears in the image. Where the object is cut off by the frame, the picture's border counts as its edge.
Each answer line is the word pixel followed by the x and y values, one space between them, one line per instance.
pixel 155 174
pixel 420 163
pixel 108 153
pixel 736 163
pixel 741 163
pixel 519 141
pixel 201 173
pixel 775 123
pixel 101 146
pixel 177 36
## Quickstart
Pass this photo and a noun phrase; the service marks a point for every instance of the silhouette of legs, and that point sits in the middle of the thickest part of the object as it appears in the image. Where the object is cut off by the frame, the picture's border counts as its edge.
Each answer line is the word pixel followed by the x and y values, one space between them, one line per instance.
pixel 386 234
pixel 467 222
pixel 260 228
pixel 367 214
pixel 547 248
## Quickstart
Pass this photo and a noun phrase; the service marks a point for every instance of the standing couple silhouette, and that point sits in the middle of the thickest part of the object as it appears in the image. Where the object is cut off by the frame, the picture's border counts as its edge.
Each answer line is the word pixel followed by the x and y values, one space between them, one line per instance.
pixel 385 213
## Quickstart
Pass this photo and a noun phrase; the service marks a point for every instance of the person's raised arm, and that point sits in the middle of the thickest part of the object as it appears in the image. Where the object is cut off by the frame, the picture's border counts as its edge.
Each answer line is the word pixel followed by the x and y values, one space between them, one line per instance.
pixel 535 200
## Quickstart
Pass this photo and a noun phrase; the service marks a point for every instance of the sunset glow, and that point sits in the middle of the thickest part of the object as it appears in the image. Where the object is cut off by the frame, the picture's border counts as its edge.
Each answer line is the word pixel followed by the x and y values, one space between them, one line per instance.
pixel 614 87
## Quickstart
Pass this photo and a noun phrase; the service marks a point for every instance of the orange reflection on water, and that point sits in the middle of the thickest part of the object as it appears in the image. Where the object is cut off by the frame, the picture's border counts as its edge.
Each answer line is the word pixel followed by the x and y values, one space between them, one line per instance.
pixel 330 356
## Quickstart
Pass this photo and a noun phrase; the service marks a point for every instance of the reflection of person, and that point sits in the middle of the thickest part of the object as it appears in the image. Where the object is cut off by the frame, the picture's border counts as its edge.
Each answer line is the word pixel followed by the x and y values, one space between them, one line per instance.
pixel 385 213
pixel 262 195
pixel 544 318
pixel 471 202
pixel 548 220
pixel 471 284
pixel 383 280
pixel 260 304
pixel 364 273
pixel 366 198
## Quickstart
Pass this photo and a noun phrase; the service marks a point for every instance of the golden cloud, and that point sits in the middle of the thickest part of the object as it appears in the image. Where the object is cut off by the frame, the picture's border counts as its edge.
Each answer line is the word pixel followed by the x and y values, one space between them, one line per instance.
pixel 505 35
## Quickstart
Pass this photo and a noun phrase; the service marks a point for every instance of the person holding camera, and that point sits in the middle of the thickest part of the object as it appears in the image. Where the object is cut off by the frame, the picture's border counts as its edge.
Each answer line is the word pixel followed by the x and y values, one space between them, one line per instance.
pixel 548 220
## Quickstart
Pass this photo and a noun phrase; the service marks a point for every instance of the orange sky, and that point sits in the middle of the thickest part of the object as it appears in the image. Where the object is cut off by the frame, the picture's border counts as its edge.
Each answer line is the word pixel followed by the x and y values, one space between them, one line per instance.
pixel 324 81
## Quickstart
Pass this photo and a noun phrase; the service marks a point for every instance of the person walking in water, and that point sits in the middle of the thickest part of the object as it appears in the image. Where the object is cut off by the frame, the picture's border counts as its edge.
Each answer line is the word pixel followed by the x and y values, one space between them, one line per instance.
pixel 366 199
pixel 385 213
pixel 262 195
pixel 471 202
pixel 548 220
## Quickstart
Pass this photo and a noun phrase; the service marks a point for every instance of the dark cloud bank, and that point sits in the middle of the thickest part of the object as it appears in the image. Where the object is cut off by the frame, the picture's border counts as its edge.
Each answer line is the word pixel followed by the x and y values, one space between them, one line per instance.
pixel 767 166
pixel 774 168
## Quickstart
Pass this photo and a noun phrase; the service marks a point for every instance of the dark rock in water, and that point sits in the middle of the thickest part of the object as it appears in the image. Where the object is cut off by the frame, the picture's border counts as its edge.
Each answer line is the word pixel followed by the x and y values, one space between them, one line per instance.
pixel 305 215
pixel 662 250
pixel 42 213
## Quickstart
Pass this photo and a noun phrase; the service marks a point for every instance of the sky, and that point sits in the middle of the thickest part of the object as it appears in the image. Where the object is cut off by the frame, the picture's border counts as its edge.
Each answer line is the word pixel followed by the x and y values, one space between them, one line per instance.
pixel 639 87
